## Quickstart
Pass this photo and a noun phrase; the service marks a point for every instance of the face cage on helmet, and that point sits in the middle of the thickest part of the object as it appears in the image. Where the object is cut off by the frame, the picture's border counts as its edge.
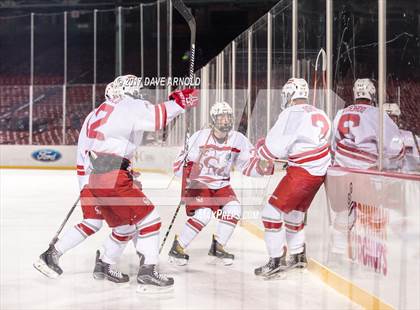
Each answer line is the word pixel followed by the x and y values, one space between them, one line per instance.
pixel 223 128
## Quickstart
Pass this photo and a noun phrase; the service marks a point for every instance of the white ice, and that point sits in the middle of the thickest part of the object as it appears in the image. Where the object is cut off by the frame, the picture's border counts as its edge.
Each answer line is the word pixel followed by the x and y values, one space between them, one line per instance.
pixel 33 204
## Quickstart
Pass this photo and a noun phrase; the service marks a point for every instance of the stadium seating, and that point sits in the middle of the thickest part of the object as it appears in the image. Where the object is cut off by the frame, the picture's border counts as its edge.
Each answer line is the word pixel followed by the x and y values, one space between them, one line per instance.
pixel 48 107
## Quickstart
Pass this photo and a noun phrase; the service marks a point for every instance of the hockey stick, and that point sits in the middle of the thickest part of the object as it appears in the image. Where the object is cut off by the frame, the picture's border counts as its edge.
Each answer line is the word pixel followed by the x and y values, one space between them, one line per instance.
pixel 183 187
pixel 189 18
pixel 55 239
pixel 324 69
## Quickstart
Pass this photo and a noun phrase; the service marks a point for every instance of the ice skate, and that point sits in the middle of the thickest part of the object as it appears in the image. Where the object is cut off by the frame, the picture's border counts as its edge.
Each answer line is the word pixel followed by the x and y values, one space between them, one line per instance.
pixel 217 251
pixel 104 271
pixel 177 254
pixel 273 269
pixel 151 281
pixel 298 260
pixel 47 263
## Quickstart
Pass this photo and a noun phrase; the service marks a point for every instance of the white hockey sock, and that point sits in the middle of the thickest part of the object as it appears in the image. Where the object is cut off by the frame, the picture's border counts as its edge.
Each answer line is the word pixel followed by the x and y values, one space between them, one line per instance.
pixel 339 241
pixel 295 234
pixel 295 241
pixel 148 237
pixel 194 225
pixel 149 247
pixel 116 242
pixel 135 238
pixel 69 240
pixel 77 234
pixel 275 242
pixel 224 232
pixel 187 235
pixel 274 234
pixel 231 213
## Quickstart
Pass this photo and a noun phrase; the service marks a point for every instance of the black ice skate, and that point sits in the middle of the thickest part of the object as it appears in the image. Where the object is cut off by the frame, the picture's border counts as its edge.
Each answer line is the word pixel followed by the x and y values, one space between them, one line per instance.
pixel 104 271
pixel 151 281
pixel 297 260
pixel 47 263
pixel 274 268
pixel 217 251
pixel 177 254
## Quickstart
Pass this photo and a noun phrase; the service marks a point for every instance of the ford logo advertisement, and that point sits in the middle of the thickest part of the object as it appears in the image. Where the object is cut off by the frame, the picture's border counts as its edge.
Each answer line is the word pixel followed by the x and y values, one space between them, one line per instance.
pixel 46 155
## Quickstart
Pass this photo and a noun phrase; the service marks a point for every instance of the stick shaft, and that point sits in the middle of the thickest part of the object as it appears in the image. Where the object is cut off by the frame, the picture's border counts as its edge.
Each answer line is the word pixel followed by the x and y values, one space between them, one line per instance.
pixel 189 18
pixel 55 238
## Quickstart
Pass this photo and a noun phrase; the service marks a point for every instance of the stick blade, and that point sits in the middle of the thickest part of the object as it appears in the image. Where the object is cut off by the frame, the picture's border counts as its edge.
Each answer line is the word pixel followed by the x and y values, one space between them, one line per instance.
pixel 186 14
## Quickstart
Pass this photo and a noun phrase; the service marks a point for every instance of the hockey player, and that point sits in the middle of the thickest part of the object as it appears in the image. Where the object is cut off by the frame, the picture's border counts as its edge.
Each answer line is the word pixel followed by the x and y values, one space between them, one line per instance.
pixel 301 134
pixel 212 153
pixel 116 129
pixel 48 262
pixel 356 132
pixel 411 160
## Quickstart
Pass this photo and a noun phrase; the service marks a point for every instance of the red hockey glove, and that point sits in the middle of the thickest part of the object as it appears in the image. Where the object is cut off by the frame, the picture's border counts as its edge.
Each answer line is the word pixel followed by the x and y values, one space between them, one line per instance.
pixel 186 172
pixel 186 98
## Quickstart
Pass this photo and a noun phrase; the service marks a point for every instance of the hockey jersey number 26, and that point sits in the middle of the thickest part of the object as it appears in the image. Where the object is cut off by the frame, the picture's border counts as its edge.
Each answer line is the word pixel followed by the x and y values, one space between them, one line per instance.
pixel 356 136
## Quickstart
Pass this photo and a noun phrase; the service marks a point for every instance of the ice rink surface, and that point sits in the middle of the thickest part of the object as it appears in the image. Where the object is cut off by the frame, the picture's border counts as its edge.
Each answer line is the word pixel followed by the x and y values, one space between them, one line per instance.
pixel 33 204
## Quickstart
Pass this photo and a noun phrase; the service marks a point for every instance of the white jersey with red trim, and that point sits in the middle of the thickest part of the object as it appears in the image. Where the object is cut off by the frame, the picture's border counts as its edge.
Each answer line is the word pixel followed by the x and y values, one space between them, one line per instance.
pixel 82 157
pixel 301 135
pixel 356 138
pixel 117 126
pixel 214 160
pixel 411 160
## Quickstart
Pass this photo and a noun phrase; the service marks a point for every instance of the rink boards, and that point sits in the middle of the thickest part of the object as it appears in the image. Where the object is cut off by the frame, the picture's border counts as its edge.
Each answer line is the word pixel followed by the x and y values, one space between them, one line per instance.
pixel 363 232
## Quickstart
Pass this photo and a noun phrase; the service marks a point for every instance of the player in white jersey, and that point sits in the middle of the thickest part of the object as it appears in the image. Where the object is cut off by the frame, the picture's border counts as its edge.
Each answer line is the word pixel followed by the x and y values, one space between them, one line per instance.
pixel 116 129
pixel 212 153
pixel 356 133
pixel 48 263
pixel 301 135
pixel 411 161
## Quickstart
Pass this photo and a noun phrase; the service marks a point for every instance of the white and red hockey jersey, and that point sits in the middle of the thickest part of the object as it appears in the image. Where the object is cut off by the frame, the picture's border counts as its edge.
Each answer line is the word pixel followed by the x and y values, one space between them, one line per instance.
pixel 82 157
pixel 214 160
pixel 411 160
pixel 356 138
pixel 117 126
pixel 301 135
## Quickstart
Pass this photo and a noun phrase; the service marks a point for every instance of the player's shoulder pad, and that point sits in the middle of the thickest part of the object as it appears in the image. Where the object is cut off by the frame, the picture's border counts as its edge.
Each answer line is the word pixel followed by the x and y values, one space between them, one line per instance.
pixel 239 139
pixel 237 135
pixel 199 133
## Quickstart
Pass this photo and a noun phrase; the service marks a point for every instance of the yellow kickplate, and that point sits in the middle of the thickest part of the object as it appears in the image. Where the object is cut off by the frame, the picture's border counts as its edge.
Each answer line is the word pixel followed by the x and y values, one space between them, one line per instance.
pixel 332 279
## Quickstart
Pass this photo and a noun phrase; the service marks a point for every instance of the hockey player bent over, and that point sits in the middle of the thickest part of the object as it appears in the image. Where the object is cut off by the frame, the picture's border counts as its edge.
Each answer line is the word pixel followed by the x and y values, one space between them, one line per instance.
pixel 48 262
pixel 301 134
pixel 356 132
pixel 117 128
pixel 355 145
pixel 212 154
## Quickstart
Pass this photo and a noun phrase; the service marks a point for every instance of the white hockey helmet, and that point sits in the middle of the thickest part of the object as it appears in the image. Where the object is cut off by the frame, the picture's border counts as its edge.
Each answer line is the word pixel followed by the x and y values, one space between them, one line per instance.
pixel 364 89
pixel 110 93
pixel 294 89
pixel 128 85
pixel 222 108
pixel 392 109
